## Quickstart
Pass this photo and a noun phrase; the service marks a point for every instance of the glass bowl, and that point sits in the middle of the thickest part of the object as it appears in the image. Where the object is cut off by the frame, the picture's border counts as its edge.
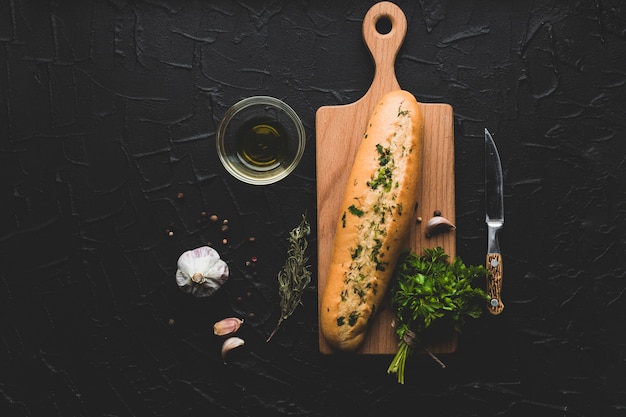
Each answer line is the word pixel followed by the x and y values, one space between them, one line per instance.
pixel 260 140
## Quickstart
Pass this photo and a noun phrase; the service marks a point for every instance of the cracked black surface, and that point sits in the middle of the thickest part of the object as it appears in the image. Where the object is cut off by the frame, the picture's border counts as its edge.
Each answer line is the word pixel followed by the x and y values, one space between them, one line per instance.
pixel 108 110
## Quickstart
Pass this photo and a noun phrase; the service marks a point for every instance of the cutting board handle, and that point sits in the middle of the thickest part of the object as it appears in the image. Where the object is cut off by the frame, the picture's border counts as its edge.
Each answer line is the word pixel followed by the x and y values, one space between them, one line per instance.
pixel 384 47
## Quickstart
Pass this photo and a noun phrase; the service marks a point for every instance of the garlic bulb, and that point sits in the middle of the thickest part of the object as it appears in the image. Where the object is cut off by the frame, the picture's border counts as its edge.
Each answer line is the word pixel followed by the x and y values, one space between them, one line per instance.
pixel 201 272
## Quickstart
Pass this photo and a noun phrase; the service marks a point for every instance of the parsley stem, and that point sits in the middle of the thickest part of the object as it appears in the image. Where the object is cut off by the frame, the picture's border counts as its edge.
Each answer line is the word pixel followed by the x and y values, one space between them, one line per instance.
pixel 398 363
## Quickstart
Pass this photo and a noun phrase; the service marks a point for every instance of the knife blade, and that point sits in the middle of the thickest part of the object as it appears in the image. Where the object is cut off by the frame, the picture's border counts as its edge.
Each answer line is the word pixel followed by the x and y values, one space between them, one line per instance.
pixel 494 217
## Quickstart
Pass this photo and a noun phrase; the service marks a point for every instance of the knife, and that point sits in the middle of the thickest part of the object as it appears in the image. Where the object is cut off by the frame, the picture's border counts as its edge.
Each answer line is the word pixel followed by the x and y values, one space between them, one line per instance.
pixel 494 216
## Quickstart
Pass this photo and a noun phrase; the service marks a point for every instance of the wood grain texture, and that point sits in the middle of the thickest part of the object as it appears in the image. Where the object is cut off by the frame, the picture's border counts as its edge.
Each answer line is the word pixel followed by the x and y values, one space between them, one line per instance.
pixel 339 130
pixel 494 282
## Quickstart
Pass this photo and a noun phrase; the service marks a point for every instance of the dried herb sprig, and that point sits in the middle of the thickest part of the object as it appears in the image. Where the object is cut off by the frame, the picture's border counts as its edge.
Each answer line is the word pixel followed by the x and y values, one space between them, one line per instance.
pixel 432 289
pixel 295 275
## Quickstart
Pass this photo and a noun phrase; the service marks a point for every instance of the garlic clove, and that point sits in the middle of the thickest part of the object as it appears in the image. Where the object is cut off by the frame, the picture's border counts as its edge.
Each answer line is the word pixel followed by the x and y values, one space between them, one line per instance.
pixel 227 326
pixel 230 344
pixel 201 272
pixel 438 224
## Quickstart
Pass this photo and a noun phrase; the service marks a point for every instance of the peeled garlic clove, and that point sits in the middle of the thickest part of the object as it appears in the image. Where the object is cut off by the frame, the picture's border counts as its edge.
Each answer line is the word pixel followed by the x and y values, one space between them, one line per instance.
pixel 438 224
pixel 227 326
pixel 230 344
pixel 201 272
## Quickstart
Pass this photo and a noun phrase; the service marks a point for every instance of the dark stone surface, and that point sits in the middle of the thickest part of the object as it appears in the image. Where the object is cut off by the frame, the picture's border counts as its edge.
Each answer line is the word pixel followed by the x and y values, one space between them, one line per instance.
pixel 108 110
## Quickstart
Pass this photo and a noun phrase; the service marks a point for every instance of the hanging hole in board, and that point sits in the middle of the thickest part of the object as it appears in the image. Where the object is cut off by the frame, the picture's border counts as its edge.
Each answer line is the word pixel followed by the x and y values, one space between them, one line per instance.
pixel 383 25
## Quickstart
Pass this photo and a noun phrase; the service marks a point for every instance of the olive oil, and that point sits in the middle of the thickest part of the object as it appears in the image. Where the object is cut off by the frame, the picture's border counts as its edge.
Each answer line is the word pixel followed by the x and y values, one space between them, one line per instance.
pixel 262 144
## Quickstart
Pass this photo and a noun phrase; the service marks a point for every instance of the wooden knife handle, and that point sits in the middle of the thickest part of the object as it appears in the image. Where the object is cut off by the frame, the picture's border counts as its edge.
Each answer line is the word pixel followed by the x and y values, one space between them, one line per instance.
pixel 494 283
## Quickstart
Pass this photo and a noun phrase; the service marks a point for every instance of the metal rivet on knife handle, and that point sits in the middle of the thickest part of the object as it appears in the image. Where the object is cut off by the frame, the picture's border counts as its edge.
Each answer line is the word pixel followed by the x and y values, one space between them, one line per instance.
pixel 494 282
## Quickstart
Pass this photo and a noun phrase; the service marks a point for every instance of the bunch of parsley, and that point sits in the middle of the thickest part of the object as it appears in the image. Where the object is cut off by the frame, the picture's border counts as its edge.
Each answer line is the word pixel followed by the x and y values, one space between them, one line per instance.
pixel 432 289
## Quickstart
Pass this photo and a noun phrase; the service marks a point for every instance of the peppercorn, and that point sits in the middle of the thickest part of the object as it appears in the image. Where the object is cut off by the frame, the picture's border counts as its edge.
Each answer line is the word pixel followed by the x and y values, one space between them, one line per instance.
pixel 437 213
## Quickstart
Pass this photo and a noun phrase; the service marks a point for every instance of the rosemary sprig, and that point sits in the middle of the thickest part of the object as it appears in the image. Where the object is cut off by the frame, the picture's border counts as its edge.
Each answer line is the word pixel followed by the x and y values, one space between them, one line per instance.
pixel 295 276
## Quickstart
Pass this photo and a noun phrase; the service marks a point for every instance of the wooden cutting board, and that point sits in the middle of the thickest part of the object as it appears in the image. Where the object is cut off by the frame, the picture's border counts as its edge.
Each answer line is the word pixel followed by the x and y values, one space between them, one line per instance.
pixel 339 130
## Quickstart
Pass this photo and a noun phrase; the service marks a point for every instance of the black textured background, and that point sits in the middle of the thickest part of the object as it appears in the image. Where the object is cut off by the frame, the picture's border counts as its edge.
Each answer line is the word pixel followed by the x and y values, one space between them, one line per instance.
pixel 108 110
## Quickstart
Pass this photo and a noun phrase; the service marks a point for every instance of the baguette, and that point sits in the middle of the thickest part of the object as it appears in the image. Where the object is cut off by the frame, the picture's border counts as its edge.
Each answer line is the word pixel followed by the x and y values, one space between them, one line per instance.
pixel 374 219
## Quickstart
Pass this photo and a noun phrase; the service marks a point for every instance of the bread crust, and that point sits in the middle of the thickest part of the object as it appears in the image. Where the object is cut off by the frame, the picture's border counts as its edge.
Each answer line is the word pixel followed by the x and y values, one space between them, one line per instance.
pixel 374 219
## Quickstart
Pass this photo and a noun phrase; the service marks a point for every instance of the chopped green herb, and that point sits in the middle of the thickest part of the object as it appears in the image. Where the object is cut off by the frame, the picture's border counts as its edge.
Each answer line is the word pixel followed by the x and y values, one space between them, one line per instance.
pixel 376 249
pixel 383 178
pixel 352 319
pixel 385 155
pixel 355 211
pixel 402 112
pixel 359 291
